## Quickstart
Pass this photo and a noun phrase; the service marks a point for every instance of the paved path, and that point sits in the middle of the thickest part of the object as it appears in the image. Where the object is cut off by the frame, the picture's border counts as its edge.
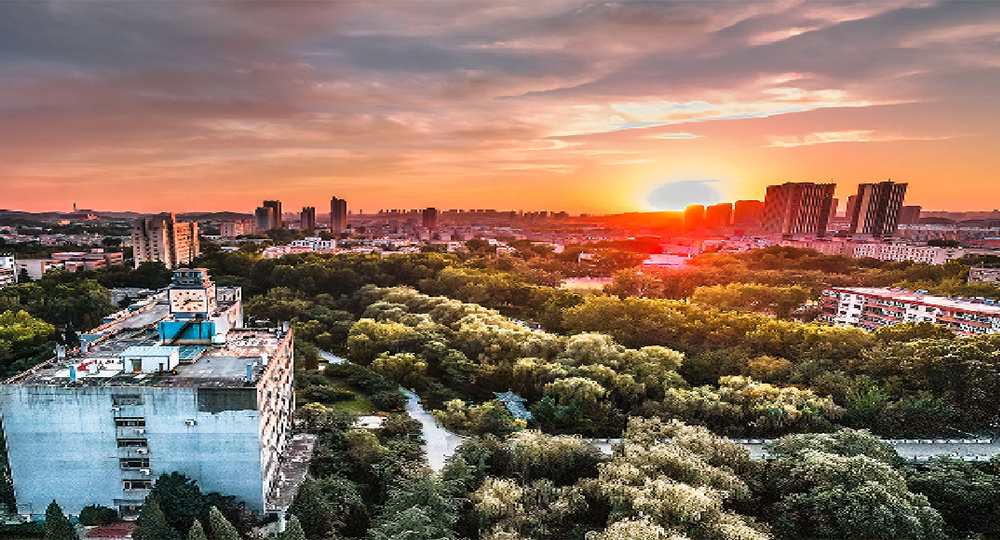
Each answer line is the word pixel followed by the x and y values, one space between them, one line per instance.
pixel 331 358
pixel 440 443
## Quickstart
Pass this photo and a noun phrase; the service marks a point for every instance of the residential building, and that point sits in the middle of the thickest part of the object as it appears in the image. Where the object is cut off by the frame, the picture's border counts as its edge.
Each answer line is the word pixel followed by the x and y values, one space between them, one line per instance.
pixel 873 308
pixel 875 213
pixel 909 215
pixel 694 217
pixel 798 208
pixel 8 269
pixel 981 274
pixel 195 393
pixel 96 259
pixel 904 252
pixel 748 213
pixel 163 238
pixel 430 218
pixel 338 215
pixel 719 215
pixel 36 268
pixel 268 216
pixel 233 229
pixel 307 219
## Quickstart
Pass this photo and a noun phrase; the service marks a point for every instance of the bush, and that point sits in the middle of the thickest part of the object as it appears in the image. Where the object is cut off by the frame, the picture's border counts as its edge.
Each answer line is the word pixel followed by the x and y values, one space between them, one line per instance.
pixel 96 514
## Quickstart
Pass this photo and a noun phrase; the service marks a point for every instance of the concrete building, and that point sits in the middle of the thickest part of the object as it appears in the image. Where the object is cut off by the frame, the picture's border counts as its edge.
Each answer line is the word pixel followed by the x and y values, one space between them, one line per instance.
pixel 36 268
pixel 430 218
pixel 163 238
pixel 719 215
pixel 875 213
pixel 232 229
pixel 873 308
pixel 8 270
pixel 268 216
pixel 798 208
pixel 194 393
pixel 984 275
pixel 338 215
pixel 904 252
pixel 307 219
pixel 909 215
pixel 314 243
pixel 748 213
pixel 694 217
pixel 94 260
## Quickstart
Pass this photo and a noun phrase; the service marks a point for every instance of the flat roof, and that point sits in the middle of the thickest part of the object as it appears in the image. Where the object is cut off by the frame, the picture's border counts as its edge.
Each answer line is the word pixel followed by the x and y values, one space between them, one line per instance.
pixel 943 302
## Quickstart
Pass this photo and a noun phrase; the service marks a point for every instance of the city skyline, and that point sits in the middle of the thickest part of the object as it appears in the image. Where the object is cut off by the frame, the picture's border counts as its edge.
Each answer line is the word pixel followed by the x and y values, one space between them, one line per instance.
pixel 589 108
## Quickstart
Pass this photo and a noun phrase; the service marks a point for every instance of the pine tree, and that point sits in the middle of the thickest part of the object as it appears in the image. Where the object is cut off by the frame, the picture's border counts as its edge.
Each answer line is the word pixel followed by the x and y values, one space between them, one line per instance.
pixel 221 528
pixel 293 530
pixel 152 524
pixel 312 510
pixel 196 532
pixel 57 527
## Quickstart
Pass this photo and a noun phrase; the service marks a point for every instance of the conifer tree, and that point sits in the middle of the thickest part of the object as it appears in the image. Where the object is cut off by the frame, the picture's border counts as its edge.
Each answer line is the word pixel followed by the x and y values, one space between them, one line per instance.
pixel 152 524
pixel 57 527
pixel 196 532
pixel 293 530
pixel 221 528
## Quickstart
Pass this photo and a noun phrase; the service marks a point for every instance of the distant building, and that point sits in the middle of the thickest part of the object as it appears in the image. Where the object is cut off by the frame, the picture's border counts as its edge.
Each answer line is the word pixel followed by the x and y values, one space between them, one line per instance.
pixel 748 213
pixel 798 208
pixel 430 218
pixel 36 268
pixel 873 308
pixel 909 215
pixel 307 220
pixel 904 252
pixel 233 229
pixel 163 238
pixel 984 275
pixel 719 215
pixel 8 270
pixel 338 215
pixel 268 216
pixel 195 393
pixel 94 260
pixel 876 210
pixel 694 217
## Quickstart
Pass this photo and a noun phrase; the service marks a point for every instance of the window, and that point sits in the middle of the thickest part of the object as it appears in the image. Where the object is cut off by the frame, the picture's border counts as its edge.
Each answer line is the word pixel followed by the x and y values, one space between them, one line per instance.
pixel 137 484
pixel 127 399
pixel 130 422
pixel 134 463
pixel 132 443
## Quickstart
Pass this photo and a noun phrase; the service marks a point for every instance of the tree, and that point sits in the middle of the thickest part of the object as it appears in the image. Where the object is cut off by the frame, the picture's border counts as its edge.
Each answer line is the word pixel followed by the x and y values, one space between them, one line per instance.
pixel 57 527
pixel 293 530
pixel 312 510
pixel 196 532
pixel 418 509
pixel 967 497
pixel 98 515
pixel 221 528
pixel 179 498
pixel 152 524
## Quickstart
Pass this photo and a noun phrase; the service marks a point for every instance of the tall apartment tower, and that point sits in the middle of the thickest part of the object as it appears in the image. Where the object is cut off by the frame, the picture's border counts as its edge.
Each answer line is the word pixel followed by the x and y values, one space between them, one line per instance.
pixel 876 209
pixel 338 214
pixel 307 220
pixel 268 216
pixel 748 213
pixel 430 218
pixel 163 238
pixel 694 217
pixel 719 215
pixel 798 208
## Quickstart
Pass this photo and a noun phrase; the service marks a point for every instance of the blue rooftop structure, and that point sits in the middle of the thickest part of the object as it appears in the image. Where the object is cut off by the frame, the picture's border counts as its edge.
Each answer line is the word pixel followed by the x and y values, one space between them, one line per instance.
pixel 515 404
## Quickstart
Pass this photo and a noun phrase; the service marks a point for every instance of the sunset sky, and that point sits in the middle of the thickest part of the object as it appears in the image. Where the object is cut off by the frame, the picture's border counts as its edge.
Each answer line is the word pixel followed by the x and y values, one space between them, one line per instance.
pixel 585 107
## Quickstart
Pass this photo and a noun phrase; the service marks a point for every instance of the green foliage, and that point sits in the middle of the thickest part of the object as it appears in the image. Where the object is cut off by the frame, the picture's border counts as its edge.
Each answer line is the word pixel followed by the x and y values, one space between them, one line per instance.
pixel 196 532
pixel 490 417
pixel 419 508
pixel 777 301
pixel 24 340
pixel 98 515
pixel 966 495
pixel 63 299
pixel 220 527
pixel 57 527
pixel 293 530
pixel 313 511
pixel 152 523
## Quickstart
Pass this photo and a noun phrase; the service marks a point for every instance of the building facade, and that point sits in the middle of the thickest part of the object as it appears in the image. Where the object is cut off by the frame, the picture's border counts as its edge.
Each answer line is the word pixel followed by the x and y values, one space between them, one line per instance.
pixel 307 219
pixel 163 238
pixel 873 308
pixel 798 208
pixel 875 212
pixel 338 215
pixel 139 400
pixel 232 229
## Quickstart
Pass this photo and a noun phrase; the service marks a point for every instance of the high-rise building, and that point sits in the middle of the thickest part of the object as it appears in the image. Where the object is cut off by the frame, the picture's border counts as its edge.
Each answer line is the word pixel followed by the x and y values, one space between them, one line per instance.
pixel 748 213
pixel 798 208
pixel 307 220
pixel 694 217
pixel 268 216
pixel 163 238
pixel 430 218
pixel 276 215
pixel 719 215
pixel 909 215
pixel 338 215
pixel 876 209
pixel 197 394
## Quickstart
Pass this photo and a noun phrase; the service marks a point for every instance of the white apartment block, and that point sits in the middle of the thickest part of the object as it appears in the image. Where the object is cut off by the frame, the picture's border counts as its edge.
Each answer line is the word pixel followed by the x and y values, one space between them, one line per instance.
pixel 873 308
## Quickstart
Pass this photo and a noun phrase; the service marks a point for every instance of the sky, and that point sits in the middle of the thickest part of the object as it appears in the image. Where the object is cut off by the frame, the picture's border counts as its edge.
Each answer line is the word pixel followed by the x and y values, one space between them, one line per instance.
pixel 596 107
